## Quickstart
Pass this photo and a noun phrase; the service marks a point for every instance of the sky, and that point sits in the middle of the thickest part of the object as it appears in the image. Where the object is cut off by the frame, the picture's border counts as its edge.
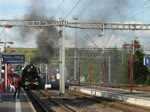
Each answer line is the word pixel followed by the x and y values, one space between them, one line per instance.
pixel 102 11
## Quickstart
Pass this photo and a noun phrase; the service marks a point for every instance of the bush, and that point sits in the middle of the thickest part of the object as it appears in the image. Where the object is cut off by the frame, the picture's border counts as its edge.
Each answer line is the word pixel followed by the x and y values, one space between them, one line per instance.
pixel 148 80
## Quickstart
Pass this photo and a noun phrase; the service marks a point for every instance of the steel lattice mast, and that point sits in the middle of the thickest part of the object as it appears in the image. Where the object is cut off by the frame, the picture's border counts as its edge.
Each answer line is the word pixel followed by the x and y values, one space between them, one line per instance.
pixel 47 23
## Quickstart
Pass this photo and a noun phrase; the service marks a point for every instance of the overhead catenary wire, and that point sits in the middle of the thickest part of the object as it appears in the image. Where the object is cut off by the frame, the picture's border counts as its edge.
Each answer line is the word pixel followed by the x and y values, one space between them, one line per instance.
pixel 133 12
pixel 129 15
pixel 105 42
pixel 91 40
pixel 58 8
pixel 140 12
pixel 125 36
pixel 72 9
pixel 93 0
pixel 88 38
pixel 90 3
pixel 2 31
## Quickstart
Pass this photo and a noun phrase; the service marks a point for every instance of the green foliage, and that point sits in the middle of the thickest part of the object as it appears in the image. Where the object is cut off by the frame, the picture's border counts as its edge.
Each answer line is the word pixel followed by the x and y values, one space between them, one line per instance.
pixel 119 67
pixel 28 52
pixel 95 71
pixel 148 80
pixel 117 63
pixel 140 71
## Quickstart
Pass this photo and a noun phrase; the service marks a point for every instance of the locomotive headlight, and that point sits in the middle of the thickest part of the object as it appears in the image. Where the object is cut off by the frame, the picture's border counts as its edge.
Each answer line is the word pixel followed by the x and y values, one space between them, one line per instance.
pixel 3 71
pixel 26 83
pixel 36 83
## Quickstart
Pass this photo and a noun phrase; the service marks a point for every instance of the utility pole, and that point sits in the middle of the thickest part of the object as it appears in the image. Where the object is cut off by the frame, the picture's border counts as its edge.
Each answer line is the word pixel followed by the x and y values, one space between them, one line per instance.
pixel 105 67
pixel 105 71
pixel 0 66
pixel 90 72
pixel 75 53
pixel 60 61
pixel 109 69
pixel 62 58
pixel 131 63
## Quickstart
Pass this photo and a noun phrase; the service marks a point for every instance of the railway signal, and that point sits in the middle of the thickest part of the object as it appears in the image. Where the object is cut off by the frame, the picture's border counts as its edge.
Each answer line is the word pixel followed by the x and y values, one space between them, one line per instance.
pixel 6 26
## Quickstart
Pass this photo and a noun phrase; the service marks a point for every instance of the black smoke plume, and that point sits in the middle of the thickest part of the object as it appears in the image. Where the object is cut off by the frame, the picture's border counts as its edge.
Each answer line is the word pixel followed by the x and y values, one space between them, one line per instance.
pixel 46 37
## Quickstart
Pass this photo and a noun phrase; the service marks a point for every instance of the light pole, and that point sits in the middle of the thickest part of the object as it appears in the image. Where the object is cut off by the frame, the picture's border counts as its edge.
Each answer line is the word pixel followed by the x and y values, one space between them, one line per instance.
pixel 75 52
pixel 5 45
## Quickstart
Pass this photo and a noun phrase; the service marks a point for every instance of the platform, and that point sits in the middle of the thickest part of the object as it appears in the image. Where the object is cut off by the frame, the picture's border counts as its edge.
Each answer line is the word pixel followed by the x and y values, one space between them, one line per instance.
pixel 9 104
pixel 136 97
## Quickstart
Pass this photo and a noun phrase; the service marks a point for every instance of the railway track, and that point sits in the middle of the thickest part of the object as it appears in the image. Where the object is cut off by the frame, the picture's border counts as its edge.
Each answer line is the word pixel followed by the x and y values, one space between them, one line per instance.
pixel 123 106
pixel 44 103
pixel 35 101
pixel 74 101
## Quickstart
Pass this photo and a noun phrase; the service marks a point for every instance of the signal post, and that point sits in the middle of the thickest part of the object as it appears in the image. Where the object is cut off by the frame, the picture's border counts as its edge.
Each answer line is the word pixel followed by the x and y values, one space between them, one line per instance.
pixel 131 63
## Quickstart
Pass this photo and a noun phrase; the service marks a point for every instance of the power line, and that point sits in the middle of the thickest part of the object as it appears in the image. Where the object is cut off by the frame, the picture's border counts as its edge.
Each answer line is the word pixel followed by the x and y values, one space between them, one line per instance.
pixel 72 9
pixel 133 12
pixel 140 12
pixel 105 42
pixel 86 7
pixel 125 36
pixel 58 8
pixel 2 31
pixel 88 37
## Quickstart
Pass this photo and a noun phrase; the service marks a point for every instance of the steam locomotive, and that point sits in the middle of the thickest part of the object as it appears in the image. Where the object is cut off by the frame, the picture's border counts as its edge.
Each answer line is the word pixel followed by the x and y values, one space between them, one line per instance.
pixel 30 77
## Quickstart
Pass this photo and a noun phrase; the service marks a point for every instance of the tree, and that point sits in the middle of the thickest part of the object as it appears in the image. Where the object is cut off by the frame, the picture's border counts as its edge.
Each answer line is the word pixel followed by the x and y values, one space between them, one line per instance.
pixel 140 71
pixel 119 68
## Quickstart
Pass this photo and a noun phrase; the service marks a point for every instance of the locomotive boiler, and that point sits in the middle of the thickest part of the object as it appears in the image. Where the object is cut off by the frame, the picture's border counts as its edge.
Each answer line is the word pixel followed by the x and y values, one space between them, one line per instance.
pixel 30 77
